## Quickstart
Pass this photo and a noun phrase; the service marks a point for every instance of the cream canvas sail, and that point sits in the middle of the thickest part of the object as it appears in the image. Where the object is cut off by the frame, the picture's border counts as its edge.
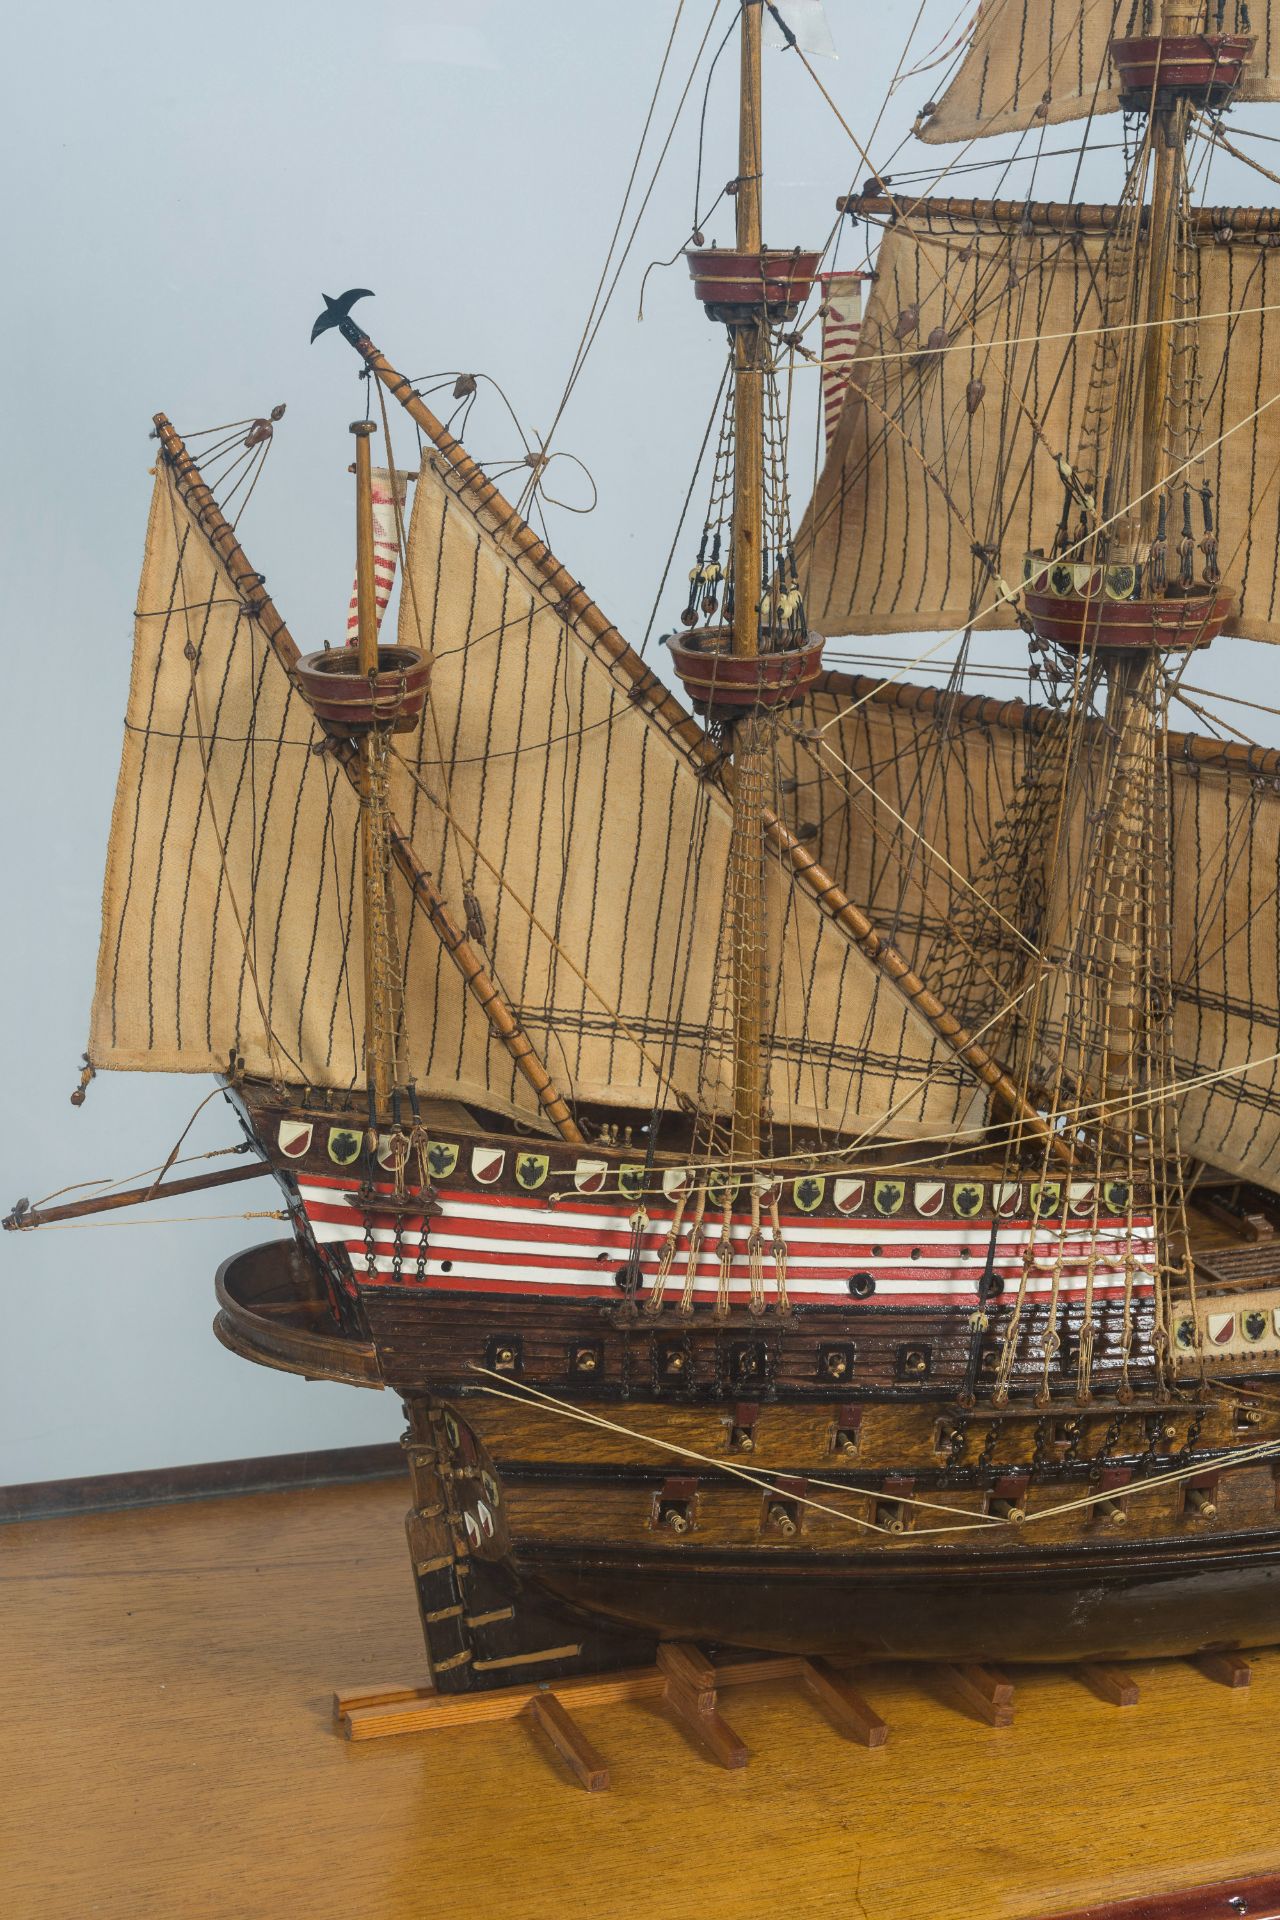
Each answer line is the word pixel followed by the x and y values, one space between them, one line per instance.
pixel 231 916
pixel 539 765
pixel 562 823
pixel 921 800
pixel 943 451
pixel 1038 62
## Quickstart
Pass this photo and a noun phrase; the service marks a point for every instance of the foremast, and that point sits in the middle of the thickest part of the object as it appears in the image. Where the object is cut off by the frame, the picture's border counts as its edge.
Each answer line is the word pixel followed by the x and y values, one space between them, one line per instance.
pixel 1148 370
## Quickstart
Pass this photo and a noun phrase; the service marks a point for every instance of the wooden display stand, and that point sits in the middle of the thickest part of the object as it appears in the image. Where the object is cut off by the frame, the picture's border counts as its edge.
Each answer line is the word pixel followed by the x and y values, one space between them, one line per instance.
pixel 683 1679
pixel 689 1686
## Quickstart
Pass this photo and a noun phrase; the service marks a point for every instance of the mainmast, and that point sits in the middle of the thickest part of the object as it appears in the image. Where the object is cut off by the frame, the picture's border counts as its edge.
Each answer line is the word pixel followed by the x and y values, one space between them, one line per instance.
pixel 747 649
pixel 750 348
pixel 1169 123
pixel 1132 956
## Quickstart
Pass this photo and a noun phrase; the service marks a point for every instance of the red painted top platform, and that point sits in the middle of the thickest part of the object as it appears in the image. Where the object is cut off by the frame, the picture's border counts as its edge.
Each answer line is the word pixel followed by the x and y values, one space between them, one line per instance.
pixel 715 678
pixel 738 287
pixel 346 701
pixel 1076 621
pixel 1157 69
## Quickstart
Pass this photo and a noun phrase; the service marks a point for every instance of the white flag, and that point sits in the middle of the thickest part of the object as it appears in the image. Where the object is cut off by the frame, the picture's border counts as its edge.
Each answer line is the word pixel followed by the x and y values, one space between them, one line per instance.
pixel 807 21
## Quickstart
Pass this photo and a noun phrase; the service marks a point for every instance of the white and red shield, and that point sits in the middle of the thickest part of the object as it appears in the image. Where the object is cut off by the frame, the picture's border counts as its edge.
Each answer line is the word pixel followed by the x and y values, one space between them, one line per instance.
pixel 1008 1199
pixel 1222 1328
pixel 849 1196
pixel 589 1176
pixel 676 1181
pixel 928 1196
pixel 487 1164
pixel 1081 1195
pixel 294 1138
pixel 473 1527
pixel 485 1518
pixel 390 1146
pixel 769 1192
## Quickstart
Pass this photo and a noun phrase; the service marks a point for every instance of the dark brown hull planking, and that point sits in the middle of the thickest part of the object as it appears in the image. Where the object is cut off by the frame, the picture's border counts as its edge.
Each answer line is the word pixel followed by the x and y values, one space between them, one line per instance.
pixel 769 1511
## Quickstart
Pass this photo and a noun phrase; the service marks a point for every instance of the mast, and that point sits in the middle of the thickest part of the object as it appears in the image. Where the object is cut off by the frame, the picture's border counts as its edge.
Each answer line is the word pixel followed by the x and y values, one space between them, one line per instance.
pixel 748 472
pixel 1168 132
pixel 1129 945
pixel 643 686
pixel 750 344
pixel 380 972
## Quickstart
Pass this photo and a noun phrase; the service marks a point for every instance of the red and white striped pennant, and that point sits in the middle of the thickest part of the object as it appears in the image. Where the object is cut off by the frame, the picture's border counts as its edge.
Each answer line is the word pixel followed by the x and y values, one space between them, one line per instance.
pixel 841 331
pixel 386 546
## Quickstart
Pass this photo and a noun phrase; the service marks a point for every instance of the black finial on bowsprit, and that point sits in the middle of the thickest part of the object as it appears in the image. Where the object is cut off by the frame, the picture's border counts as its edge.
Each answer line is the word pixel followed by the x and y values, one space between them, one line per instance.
pixel 337 313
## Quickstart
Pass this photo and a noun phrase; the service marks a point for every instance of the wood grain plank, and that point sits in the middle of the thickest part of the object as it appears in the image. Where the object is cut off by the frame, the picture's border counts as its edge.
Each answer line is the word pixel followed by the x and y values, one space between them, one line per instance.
pixel 851 1713
pixel 1115 1685
pixel 1228 1669
pixel 570 1742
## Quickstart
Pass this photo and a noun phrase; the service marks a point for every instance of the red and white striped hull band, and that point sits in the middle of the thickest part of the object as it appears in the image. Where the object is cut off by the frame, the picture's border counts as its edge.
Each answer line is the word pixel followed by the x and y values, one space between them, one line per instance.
pixel 501 1245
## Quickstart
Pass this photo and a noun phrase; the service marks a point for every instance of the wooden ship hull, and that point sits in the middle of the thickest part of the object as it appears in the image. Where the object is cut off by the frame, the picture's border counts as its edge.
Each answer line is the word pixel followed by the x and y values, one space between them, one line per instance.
pixel 592 1472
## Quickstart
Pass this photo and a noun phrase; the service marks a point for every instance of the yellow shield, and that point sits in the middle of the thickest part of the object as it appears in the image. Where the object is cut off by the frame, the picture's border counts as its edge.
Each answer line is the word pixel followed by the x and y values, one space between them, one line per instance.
pixel 808 1191
pixel 531 1170
pixel 966 1198
pixel 888 1195
pixel 344 1145
pixel 442 1158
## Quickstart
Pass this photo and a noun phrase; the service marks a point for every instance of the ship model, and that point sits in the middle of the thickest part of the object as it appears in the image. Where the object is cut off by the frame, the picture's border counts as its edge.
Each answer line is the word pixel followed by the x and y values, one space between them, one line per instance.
pixel 805 1153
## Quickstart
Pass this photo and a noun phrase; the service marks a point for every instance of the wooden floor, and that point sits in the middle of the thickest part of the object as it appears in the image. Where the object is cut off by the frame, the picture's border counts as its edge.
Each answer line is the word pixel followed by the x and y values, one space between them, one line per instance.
pixel 166 1750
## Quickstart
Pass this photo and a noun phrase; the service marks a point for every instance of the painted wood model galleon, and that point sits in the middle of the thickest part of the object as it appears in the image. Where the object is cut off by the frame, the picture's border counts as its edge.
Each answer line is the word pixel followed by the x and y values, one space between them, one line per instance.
pixel 809 1159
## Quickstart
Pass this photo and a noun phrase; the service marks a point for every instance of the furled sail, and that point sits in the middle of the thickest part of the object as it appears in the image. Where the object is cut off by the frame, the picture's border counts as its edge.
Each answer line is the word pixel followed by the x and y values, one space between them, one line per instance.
pixel 950 776
pixel 971 385
pixel 564 825
pixel 1036 62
